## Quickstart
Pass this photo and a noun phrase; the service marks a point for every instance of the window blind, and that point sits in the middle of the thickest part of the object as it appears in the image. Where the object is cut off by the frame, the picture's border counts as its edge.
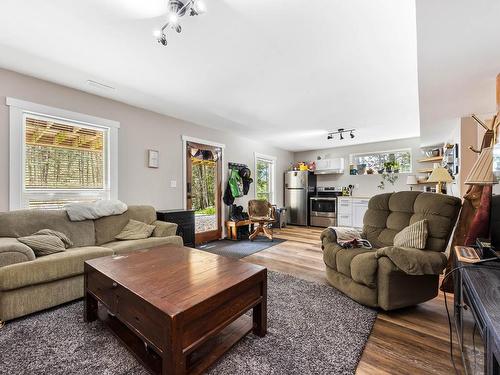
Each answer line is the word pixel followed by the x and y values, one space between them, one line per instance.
pixel 62 157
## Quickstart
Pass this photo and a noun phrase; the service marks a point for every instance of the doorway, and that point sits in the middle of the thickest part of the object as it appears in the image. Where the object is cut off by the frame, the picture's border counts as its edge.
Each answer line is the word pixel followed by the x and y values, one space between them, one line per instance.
pixel 204 189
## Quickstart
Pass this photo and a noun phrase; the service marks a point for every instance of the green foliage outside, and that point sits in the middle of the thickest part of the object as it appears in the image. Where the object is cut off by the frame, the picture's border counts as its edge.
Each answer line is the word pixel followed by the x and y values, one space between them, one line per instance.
pixel 203 187
pixel 377 161
pixel 263 180
pixel 206 211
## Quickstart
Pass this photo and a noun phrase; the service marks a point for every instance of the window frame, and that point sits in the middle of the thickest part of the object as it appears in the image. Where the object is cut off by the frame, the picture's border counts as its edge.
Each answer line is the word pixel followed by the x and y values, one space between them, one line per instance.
pixel 18 110
pixel 405 149
pixel 272 161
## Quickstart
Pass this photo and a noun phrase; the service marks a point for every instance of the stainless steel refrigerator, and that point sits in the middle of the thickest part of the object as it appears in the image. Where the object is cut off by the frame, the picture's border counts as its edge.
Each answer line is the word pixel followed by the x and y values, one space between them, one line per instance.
pixel 298 186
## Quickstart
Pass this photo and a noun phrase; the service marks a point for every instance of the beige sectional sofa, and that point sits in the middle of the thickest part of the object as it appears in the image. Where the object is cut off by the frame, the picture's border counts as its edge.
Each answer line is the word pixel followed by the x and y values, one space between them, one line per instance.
pixel 29 283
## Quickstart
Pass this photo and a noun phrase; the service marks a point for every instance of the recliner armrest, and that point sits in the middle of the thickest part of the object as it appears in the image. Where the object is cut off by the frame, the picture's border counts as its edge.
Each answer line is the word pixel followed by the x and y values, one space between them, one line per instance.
pixel 328 236
pixel 414 261
pixel 12 251
pixel 164 229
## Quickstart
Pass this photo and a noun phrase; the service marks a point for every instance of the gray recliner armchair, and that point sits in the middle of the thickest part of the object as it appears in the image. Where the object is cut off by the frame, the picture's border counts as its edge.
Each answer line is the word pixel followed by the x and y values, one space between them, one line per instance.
pixel 387 276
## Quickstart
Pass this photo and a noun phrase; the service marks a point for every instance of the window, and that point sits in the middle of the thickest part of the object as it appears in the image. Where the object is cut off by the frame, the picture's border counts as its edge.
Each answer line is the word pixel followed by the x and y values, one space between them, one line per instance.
pixel 398 161
pixel 264 177
pixel 58 160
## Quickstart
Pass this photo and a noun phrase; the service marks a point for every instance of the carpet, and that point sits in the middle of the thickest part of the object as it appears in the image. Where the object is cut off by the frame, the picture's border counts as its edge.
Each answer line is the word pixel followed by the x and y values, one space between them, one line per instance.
pixel 312 329
pixel 239 249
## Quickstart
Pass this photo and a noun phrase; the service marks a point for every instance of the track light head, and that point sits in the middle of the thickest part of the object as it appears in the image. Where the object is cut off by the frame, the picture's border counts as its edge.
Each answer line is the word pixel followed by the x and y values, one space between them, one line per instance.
pixel 341 136
pixel 330 136
pixel 352 135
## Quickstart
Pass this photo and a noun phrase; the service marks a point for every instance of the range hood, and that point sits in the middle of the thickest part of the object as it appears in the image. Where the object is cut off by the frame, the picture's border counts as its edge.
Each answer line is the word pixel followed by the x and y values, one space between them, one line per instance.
pixel 330 166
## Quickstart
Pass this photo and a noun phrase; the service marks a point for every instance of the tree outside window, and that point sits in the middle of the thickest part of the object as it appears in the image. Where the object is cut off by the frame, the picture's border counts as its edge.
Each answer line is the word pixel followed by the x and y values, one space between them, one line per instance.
pixel 264 179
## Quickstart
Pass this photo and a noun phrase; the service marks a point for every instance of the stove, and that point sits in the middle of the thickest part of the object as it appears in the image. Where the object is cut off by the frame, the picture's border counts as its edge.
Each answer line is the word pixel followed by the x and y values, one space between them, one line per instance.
pixel 323 206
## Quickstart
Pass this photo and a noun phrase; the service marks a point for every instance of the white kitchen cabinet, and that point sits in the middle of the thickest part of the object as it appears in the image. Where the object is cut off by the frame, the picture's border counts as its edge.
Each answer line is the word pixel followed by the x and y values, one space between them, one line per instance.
pixel 350 211
pixel 359 207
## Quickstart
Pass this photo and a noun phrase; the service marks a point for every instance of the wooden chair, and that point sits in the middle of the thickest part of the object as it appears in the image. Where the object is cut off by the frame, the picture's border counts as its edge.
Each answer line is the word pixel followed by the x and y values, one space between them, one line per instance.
pixel 262 213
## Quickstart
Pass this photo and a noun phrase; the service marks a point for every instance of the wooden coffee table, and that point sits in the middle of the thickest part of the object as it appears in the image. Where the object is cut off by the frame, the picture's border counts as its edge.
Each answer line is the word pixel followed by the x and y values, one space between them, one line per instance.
pixel 177 309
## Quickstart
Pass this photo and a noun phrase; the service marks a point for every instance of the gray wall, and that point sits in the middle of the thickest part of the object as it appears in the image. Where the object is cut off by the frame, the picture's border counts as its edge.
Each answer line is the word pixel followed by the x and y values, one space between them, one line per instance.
pixel 140 130
pixel 366 185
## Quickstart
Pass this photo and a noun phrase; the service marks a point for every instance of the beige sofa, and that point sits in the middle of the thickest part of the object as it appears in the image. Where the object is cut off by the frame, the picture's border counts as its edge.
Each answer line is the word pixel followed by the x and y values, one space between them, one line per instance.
pixel 29 284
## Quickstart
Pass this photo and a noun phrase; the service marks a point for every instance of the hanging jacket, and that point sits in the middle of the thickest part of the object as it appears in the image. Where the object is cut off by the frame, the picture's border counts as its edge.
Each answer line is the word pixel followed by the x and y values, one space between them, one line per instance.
pixel 236 184
pixel 228 198
pixel 245 177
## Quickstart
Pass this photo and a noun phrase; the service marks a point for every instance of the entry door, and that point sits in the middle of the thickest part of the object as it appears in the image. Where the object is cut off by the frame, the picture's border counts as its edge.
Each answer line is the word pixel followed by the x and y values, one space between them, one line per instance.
pixel 204 190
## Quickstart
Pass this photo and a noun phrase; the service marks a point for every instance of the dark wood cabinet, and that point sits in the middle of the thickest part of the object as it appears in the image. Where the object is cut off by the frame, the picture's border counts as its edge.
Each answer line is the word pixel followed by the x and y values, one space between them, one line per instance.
pixel 477 317
pixel 185 223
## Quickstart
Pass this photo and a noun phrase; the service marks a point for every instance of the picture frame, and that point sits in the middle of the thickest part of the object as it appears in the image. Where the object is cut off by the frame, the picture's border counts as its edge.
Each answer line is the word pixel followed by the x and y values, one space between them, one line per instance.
pixel 153 159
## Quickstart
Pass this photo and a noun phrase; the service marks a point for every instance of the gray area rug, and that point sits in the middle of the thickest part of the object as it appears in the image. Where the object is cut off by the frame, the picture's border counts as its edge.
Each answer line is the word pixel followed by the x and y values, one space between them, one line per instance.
pixel 312 329
pixel 239 249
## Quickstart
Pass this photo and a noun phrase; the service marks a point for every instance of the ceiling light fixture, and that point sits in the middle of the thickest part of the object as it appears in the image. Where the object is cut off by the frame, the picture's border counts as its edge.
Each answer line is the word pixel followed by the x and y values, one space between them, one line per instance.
pixel 341 132
pixel 176 10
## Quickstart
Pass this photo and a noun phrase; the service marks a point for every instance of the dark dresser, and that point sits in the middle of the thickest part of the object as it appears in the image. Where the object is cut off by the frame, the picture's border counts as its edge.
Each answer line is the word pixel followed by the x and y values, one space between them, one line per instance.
pixel 477 317
pixel 185 221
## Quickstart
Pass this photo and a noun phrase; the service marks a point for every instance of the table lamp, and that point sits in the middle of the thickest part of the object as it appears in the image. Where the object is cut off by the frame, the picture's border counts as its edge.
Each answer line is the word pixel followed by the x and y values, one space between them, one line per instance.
pixel 411 180
pixel 440 175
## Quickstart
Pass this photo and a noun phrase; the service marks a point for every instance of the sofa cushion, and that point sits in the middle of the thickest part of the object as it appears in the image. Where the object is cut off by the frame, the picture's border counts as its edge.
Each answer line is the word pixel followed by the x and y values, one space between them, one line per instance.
pixel 106 228
pixel 124 247
pixel 48 268
pixel 43 244
pixel 344 258
pixel 26 222
pixel 135 230
pixel 413 236
pixel 67 242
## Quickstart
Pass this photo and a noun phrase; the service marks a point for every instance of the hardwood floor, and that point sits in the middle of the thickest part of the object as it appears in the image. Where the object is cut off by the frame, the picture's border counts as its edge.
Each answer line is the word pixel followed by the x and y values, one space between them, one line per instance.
pixel 407 341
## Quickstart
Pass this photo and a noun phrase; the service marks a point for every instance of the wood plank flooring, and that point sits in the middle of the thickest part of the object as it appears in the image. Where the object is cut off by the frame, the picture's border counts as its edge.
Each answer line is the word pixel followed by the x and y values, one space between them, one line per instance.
pixel 407 341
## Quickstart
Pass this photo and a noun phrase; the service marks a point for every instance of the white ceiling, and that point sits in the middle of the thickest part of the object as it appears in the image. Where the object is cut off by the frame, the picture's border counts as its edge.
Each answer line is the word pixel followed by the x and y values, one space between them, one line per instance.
pixel 458 61
pixel 287 71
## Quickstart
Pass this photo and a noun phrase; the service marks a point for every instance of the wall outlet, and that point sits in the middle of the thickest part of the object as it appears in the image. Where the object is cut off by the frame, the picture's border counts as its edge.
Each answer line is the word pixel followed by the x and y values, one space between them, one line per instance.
pixel 173 184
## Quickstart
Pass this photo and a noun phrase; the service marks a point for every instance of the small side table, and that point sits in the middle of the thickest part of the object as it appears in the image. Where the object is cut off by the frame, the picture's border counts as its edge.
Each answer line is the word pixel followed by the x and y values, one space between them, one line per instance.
pixel 185 223
pixel 232 228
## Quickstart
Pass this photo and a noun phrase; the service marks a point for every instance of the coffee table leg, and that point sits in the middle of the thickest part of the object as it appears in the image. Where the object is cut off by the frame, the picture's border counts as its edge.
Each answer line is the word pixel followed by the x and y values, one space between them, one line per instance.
pixel 90 308
pixel 260 312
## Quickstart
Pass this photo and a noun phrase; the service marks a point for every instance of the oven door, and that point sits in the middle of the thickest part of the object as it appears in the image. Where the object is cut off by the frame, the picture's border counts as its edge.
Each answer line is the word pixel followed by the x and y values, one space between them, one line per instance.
pixel 325 207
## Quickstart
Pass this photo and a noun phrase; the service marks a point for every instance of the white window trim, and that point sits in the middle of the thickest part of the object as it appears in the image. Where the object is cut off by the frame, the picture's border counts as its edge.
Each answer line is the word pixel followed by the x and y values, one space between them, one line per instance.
pixel 271 159
pixel 17 109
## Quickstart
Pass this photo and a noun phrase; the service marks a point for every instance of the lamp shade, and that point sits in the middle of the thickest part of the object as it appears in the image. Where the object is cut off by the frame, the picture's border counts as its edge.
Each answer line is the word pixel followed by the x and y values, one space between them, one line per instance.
pixel 411 180
pixel 440 174
pixel 482 170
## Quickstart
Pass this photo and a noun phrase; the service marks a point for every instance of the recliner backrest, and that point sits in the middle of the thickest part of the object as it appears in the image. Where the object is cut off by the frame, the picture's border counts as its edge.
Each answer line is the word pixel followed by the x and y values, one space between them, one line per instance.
pixel 389 213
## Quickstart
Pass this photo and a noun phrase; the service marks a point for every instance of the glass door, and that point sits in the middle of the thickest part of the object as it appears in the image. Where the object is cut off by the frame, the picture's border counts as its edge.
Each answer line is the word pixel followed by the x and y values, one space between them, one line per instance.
pixel 204 187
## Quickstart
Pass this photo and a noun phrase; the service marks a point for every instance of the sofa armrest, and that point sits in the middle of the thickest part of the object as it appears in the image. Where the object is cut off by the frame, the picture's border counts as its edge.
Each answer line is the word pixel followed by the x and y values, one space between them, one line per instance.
pixel 12 251
pixel 414 261
pixel 164 229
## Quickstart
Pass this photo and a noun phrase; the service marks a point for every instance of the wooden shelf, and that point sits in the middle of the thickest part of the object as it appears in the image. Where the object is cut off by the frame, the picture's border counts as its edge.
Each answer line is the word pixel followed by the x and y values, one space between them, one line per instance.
pixel 425 170
pixel 427 183
pixel 431 159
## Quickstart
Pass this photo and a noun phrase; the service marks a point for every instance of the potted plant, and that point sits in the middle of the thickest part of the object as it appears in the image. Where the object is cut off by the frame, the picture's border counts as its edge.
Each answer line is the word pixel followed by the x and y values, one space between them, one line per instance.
pixel 369 171
pixel 395 166
pixel 388 166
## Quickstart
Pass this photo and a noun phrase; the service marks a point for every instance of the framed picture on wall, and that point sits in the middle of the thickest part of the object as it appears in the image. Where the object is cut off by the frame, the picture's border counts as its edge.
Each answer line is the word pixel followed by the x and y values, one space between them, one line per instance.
pixel 153 159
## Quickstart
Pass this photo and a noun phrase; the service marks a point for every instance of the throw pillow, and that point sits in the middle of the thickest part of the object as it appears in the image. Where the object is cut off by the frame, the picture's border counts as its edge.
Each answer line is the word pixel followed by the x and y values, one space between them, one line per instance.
pixel 135 230
pixel 43 244
pixel 67 242
pixel 413 236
